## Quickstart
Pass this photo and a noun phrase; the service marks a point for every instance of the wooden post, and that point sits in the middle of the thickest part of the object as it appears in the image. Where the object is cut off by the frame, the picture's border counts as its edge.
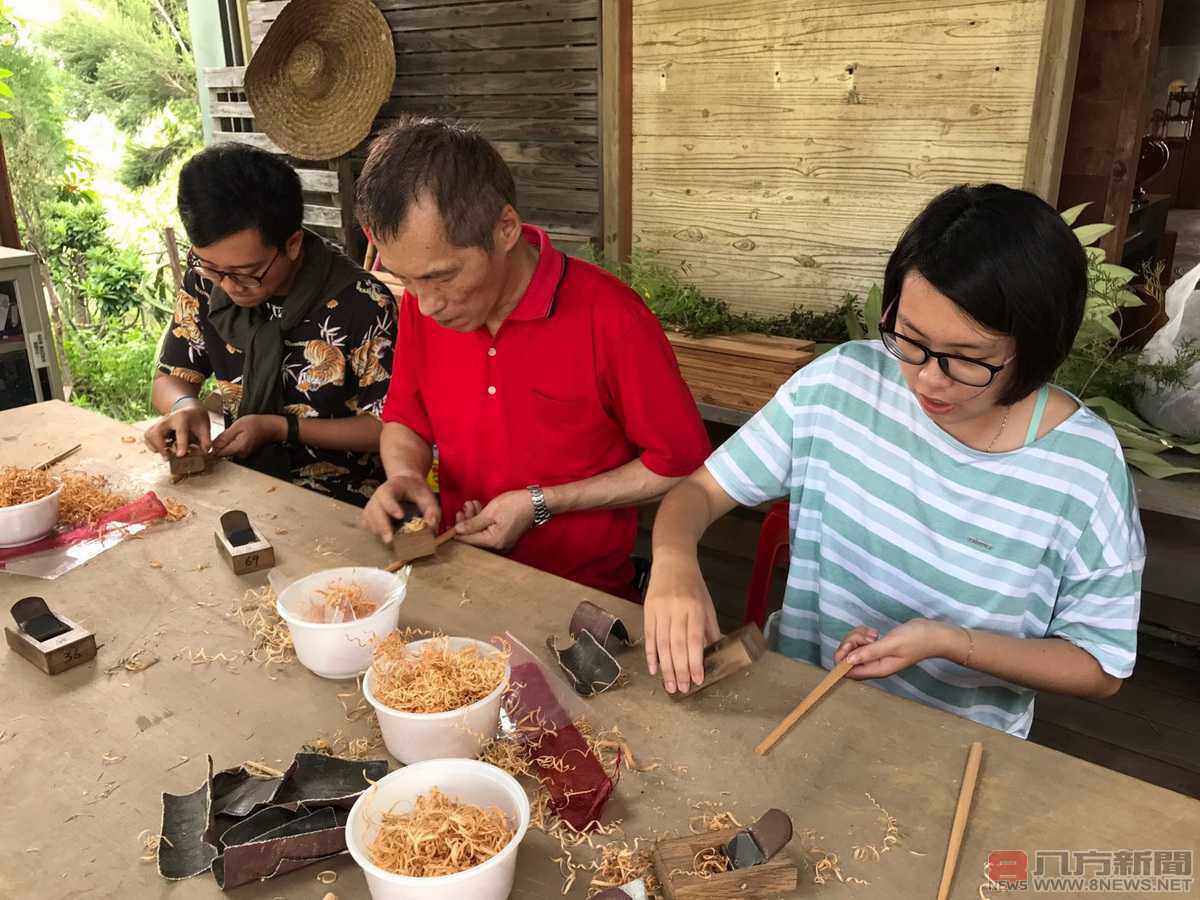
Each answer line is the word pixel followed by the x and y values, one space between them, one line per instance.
pixel 9 236
pixel 1061 34
pixel 1108 112
pixel 616 127
pixel 173 258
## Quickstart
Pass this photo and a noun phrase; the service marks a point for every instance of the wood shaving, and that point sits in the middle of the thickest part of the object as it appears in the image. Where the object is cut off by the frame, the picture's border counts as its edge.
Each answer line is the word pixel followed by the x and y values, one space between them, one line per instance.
pixel 704 822
pixel 891 834
pixel 328 876
pixel 155 564
pixel 413 526
pixel 19 485
pixel 436 680
pixel 175 509
pixel 272 642
pixel 134 662
pixel 341 602
pixel 260 770
pixel 439 836
pixel 150 844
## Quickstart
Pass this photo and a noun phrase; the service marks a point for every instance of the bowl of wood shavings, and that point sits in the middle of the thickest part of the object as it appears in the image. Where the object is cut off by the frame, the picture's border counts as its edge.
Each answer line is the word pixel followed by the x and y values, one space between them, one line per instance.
pixel 336 616
pixel 445 828
pixel 29 504
pixel 437 698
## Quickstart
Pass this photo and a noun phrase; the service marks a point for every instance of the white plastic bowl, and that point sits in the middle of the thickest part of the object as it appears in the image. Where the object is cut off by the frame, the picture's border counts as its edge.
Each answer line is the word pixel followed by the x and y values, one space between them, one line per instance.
pixel 343 649
pixel 28 522
pixel 464 780
pixel 413 737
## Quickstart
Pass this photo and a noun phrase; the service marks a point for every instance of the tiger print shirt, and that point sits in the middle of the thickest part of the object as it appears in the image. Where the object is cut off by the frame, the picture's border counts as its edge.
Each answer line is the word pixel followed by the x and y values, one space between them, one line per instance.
pixel 336 364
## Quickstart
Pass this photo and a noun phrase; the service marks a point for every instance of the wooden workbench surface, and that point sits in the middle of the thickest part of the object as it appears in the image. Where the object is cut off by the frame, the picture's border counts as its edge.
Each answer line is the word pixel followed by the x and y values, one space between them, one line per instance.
pixel 85 755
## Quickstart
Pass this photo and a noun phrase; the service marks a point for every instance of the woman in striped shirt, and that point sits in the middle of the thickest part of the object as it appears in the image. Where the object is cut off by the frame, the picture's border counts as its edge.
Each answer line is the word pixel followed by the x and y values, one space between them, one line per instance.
pixel 963 531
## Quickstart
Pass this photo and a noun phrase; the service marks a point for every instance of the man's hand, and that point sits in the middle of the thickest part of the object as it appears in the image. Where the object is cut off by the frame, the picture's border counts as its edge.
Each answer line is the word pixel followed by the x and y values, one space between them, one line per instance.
pixel 186 426
pixel 903 646
pixel 679 621
pixel 249 433
pixel 384 509
pixel 500 524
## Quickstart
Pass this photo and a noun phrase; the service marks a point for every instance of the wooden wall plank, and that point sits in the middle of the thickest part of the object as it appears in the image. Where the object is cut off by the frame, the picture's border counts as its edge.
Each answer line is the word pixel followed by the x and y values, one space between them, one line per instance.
pixel 546 152
pixel 577 81
pixel 567 177
pixel 328 216
pixel 319 180
pixel 527 129
pixel 253 138
pixel 498 37
pixel 780 149
pixel 224 77
pixel 532 60
pixel 502 106
pixel 476 15
pixel 539 196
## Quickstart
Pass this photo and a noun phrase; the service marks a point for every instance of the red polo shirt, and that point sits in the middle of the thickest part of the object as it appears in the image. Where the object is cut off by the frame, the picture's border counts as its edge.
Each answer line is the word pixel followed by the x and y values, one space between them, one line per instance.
pixel 580 379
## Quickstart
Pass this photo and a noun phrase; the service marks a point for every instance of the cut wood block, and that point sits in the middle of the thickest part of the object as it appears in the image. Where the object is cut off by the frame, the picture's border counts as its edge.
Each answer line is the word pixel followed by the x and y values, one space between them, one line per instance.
pixel 741 371
pixel 675 857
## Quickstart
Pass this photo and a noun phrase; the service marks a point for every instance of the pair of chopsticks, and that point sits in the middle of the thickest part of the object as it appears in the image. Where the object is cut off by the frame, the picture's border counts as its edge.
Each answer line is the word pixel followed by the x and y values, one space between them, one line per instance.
pixel 965 794
pixel 55 460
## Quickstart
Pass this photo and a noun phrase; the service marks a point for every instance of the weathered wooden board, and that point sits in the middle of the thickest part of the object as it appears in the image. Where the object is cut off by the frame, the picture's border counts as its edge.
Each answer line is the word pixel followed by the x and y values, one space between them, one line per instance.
pixel 779 149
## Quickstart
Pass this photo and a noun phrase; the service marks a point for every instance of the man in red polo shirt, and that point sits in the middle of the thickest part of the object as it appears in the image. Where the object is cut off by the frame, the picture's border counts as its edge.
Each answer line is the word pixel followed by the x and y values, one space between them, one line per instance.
pixel 549 388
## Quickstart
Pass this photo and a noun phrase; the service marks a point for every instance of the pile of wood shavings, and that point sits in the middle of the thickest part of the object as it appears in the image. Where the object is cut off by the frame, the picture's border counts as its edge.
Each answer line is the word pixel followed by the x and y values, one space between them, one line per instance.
pixel 891 836
pixel 341 602
pixel 86 499
pixel 20 485
pixel 439 836
pixel 621 863
pixel 437 679
pixel 272 640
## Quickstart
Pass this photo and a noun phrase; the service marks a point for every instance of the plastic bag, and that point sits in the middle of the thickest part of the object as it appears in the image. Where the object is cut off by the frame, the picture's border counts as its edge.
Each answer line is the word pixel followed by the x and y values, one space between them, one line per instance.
pixel 1177 410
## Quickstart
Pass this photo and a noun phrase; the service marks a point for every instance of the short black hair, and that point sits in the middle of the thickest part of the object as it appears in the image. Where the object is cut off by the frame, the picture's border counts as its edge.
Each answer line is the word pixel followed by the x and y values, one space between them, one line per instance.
pixel 229 187
pixel 1010 262
pixel 455 165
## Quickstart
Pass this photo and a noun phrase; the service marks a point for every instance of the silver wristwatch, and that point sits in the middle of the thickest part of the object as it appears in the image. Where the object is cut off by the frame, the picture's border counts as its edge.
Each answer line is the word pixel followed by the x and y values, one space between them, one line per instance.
pixel 541 512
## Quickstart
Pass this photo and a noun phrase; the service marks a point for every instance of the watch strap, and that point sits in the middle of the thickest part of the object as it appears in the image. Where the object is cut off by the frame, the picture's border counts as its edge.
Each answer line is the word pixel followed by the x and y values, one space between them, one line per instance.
pixel 293 428
pixel 541 512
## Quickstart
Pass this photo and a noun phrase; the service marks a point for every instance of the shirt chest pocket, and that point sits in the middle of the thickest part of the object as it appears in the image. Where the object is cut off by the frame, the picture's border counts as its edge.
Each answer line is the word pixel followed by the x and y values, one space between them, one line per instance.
pixel 567 437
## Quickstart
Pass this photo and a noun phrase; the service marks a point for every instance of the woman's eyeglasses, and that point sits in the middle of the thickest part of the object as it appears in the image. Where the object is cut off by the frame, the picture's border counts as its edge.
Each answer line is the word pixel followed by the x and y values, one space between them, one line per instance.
pixel 963 369
pixel 240 279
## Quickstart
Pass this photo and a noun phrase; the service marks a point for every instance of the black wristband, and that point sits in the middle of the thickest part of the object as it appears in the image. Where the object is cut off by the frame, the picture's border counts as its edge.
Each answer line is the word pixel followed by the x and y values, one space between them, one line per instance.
pixel 293 429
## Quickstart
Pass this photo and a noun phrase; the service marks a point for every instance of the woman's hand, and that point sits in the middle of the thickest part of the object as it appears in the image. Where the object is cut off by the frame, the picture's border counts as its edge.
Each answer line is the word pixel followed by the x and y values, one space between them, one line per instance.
pixel 679 621
pixel 905 645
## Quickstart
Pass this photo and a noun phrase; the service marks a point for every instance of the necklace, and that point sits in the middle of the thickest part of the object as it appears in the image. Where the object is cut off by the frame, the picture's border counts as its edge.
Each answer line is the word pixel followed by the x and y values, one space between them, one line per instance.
pixel 1003 422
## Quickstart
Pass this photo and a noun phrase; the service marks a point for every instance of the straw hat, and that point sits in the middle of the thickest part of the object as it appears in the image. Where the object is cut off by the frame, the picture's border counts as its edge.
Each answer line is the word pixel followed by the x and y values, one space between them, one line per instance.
pixel 320 75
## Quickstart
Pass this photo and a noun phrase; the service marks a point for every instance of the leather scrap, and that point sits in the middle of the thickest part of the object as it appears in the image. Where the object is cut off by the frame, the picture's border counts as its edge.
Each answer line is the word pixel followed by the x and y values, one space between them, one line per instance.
pixel 267 826
pixel 608 630
pixel 185 850
pixel 591 668
pixel 578 794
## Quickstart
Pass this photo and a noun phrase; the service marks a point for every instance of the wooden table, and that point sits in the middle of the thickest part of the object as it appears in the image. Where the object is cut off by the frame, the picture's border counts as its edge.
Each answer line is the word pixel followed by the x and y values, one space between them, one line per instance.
pixel 84 755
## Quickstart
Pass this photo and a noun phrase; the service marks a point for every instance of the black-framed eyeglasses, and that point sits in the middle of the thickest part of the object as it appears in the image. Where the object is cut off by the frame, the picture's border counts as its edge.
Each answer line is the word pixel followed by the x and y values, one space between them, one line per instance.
pixel 963 369
pixel 216 276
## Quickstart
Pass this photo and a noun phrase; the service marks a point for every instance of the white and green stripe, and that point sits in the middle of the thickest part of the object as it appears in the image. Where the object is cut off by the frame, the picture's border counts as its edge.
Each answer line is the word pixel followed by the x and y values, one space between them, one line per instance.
pixel 893 519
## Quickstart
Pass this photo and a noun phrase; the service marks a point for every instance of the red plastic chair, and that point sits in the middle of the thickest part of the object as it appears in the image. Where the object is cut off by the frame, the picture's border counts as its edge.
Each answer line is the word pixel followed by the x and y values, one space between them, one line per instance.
pixel 774 547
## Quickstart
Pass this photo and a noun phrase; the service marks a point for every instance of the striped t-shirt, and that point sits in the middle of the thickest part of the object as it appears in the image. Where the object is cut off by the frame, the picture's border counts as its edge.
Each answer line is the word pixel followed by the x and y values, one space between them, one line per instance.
pixel 893 519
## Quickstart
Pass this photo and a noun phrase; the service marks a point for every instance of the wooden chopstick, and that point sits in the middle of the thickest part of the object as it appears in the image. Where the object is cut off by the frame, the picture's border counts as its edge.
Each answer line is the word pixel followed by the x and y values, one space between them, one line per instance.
pixel 55 460
pixel 970 776
pixel 836 674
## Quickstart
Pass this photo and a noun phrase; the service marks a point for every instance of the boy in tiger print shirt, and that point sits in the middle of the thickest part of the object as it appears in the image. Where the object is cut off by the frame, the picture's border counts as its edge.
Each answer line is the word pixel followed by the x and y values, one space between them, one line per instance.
pixel 317 422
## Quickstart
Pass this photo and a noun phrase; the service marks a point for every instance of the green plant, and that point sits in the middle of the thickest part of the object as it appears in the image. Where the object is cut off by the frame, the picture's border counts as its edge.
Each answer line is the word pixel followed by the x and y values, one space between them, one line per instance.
pixel 112 370
pixel 685 308
pixel 1109 379
pixel 132 60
